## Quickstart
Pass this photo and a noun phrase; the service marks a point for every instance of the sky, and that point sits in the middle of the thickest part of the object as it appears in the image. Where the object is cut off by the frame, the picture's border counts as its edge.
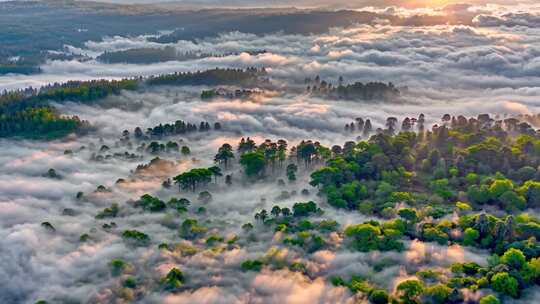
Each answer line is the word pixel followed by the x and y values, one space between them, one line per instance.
pixel 329 3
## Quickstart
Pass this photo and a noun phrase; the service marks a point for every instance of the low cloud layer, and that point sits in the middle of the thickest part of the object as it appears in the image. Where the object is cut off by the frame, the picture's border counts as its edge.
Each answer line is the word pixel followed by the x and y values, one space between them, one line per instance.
pixel 76 271
pixel 490 67
pixel 498 56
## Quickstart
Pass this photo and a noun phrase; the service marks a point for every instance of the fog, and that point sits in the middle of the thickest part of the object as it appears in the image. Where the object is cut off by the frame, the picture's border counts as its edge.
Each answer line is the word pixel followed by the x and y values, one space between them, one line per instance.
pixel 489 67
pixel 76 271
pixel 496 56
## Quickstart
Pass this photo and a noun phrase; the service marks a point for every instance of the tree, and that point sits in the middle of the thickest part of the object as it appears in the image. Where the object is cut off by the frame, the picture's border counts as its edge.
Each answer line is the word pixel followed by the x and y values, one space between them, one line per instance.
pixel 136 237
pixel 282 151
pixel 153 204
pixel 514 258
pixel 291 172
pixel 185 150
pixel 173 280
pixel 406 125
pixel 366 236
pixel 367 128
pixel 117 267
pixel 224 154
pixel 526 173
pixel 435 234
pixel 262 216
pixel 325 176
pixel 246 145
pixel 408 214
pixel 504 283
pixel 138 133
pixel 534 265
pixel 252 265
pixel 253 163
pixel 391 123
pixel 410 290
pixel 470 236
pixel 489 299
pixel 437 294
pixel 216 171
pixel 499 187
pixel 511 201
pixel 286 212
pixel 305 151
pixel 190 228
pixel 304 209
pixel 204 197
pixel 276 210
pixel 193 178
pixel 379 296
pixel 478 194
pixel 180 205
pixel 531 191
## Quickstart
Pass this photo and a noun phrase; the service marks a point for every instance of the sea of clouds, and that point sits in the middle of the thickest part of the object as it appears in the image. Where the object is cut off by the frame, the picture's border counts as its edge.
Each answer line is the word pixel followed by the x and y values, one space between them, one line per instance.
pixel 491 66
pixel 39 264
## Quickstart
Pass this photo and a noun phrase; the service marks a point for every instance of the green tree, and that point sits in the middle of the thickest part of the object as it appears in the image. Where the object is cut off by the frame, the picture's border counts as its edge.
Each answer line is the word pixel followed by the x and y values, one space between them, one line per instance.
pixel 514 258
pixel 173 280
pixel 531 191
pixel 185 150
pixel 286 212
pixel 136 237
pixel 470 236
pixel 224 154
pixel 366 236
pixel 276 210
pixel 193 178
pixel 291 172
pixel 437 294
pixel 216 172
pixel 153 204
pixel 379 296
pixel 504 283
pixel 489 299
pixel 117 267
pixel 304 209
pixel 253 163
pixel 408 214
pixel 499 187
pixel 478 194
pixel 252 265
pixel 534 265
pixel 410 291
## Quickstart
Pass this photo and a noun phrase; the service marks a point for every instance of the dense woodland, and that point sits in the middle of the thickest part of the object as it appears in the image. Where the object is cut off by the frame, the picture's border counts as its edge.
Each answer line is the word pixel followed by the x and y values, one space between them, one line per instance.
pixel 464 182
pixel 28 113
pixel 355 91
pixel 246 77
pixel 154 55
pixel 39 26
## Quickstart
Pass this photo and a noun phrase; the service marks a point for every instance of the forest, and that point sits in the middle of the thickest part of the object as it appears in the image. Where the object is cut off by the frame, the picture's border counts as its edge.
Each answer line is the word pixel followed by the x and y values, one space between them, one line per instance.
pixel 154 55
pixel 465 182
pixel 355 91
pixel 29 113
pixel 269 152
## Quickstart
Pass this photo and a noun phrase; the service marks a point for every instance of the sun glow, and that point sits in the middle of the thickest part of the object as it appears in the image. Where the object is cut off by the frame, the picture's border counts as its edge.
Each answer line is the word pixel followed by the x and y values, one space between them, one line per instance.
pixel 430 3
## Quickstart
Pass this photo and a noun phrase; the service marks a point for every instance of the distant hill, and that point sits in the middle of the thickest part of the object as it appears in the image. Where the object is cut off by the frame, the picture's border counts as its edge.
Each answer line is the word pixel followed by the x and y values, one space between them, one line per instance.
pixel 34 27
